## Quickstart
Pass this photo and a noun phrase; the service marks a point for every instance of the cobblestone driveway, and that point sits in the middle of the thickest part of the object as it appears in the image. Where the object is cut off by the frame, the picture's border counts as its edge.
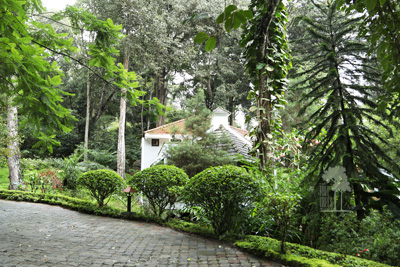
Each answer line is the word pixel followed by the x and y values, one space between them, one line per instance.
pixel 37 234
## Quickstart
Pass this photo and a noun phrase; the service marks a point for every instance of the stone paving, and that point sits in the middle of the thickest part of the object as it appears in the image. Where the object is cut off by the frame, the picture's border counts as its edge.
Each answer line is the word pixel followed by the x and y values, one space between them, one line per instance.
pixel 42 235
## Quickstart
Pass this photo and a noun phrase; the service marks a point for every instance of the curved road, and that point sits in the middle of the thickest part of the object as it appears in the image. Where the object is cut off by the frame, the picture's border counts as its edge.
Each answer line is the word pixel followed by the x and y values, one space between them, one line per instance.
pixel 42 235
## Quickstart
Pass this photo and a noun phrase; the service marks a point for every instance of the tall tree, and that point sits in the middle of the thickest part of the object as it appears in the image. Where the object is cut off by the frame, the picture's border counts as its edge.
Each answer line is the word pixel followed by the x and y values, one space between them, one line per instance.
pixel 381 27
pixel 28 80
pixel 159 44
pixel 344 84
pixel 29 75
pixel 87 122
pixel 267 62
pixel 220 73
pixel 121 157
pixel 13 154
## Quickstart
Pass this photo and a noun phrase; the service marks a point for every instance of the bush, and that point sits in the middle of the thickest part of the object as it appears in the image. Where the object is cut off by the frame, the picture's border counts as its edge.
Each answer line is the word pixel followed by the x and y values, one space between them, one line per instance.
pixel 282 208
pixel 367 239
pixel 86 166
pixel 33 165
pixel 104 157
pixel 226 194
pixel 161 185
pixel 101 184
pixel 298 255
pixel 45 181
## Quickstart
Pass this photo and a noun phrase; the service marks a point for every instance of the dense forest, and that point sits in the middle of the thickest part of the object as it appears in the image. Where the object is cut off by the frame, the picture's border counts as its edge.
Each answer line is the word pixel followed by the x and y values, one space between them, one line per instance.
pixel 318 82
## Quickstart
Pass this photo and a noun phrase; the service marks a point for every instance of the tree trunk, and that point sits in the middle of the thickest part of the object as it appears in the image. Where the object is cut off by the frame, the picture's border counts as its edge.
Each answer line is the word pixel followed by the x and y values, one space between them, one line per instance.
pixel 14 168
pixel 86 142
pixel 150 97
pixel 264 133
pixel 209 93
pixel 122 120
pixel 232 111
pixel 264 102
pixel 161 94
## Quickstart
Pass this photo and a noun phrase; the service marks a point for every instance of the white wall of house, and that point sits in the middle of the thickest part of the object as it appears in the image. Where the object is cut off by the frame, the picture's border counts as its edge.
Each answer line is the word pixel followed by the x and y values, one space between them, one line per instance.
pixel 150 152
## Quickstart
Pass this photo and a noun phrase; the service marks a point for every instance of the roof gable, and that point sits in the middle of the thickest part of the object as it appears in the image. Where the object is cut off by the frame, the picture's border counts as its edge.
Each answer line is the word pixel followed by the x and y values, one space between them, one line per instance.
pixel 221 111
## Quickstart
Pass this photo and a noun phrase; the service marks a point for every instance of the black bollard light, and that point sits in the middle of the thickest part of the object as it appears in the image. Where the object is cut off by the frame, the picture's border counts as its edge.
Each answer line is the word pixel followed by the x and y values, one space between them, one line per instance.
pixel 129 191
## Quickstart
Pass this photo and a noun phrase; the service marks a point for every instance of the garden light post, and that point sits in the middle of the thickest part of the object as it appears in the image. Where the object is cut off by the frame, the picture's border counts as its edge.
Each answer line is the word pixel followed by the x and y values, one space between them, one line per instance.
pixel 129 191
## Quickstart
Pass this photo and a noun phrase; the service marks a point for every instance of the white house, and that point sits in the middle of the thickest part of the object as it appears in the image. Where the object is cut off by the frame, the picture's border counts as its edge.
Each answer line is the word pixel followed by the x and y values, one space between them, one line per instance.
pixel 154 141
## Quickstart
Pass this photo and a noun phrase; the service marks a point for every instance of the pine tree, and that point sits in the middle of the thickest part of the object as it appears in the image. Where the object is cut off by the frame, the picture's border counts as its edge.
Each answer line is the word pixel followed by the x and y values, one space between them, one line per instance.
pixel 344 83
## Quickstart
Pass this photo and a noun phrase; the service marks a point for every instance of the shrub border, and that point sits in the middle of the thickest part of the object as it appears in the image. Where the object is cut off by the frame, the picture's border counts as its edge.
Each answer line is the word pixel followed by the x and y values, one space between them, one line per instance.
pixel 299 255
pixel 296 256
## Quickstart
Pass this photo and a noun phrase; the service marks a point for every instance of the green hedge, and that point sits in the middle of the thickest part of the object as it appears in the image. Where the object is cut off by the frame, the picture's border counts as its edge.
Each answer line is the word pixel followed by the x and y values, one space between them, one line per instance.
pixel 102 184
pixel 73 204
pixel 190 228
pixel 226 194
pixel 298 255
pixel 161 184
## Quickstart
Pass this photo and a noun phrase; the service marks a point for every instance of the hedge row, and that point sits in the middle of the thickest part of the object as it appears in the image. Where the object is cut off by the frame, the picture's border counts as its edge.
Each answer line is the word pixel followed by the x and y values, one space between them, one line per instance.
pixel 300 256
pixel 73 204
pixel 297 255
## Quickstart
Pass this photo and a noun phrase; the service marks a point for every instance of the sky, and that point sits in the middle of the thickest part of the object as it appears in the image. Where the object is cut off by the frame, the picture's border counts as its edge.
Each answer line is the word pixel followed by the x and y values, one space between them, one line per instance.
pixel 56 5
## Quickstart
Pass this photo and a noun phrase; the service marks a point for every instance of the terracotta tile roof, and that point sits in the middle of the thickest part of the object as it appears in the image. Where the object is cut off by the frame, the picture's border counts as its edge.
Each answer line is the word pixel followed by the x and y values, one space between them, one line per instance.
pixel 240 131
pixel 180 125
pixel 167 128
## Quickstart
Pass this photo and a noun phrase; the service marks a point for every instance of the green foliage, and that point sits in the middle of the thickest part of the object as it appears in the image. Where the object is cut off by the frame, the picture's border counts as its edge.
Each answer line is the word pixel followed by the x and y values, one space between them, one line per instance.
pixel 4 181
pixel 232 17
pixel 282 207
pixel 70 169
pixel 85 166
pixel 64 201
pixel 344 104
pixel 276 214
pixel 367 239
pixel 194 157
pixel 104 157
pixel 190 228
pixel 102 184
pixel 267 247
pixel 380 25
pixel 226 194
pixel 26 74
pixel 267 63
pixel 162 185
pixel 199 120
pixel 298 255
pixel 46 180
pixel 102 52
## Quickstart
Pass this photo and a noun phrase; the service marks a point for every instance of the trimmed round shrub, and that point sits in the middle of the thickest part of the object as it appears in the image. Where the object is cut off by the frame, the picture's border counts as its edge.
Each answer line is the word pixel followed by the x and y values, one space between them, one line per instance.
pixel 102 184
pixel 226 194
pixel 161 184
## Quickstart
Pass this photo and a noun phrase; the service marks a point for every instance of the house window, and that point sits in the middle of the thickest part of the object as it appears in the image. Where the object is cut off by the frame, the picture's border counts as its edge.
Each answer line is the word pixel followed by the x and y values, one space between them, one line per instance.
pixel 155 142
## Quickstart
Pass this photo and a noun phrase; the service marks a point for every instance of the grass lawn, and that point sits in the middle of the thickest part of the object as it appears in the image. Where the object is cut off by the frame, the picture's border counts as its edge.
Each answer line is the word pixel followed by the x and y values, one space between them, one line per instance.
pixel 115 202
pixel 4 178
